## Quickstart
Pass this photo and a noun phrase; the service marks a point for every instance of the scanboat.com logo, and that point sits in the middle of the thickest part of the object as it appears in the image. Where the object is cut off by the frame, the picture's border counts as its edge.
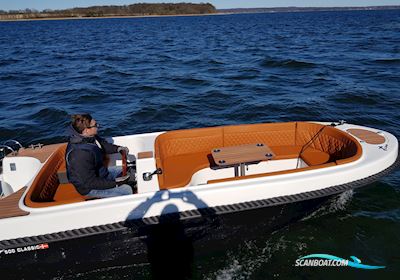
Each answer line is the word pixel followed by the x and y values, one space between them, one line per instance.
pixel 330 260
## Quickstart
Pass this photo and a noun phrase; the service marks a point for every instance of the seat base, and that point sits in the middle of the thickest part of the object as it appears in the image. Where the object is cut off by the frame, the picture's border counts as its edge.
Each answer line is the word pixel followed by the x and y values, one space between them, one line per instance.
pixel 68 192
pixel 178 170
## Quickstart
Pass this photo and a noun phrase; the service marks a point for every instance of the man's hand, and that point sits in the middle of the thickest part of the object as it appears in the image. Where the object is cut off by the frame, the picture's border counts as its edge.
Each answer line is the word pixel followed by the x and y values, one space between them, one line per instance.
pixel 121 148
pixel 122 180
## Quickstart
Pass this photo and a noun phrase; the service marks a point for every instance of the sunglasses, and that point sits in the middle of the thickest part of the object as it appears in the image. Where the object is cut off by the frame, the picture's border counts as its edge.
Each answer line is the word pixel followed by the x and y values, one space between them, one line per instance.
pixel 95 125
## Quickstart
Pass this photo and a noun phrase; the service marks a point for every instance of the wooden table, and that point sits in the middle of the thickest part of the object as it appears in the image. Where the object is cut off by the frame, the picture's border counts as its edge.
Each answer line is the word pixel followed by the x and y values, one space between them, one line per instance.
pixel 241 155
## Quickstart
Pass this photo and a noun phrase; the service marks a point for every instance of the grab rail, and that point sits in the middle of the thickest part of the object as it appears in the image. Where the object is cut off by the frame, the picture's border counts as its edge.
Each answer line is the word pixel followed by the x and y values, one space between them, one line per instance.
pixel 7 147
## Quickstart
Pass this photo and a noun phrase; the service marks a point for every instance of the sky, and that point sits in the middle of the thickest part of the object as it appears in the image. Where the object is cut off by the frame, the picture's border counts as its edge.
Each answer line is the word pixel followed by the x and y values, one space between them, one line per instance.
pixel 219 4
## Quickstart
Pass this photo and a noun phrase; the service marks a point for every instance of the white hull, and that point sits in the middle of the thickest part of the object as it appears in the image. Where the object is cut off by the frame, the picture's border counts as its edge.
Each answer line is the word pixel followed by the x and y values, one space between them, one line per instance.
pixel 41 221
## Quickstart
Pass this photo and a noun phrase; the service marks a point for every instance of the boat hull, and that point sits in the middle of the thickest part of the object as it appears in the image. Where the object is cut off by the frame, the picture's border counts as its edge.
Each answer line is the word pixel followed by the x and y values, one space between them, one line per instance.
pixel 168 243
pixel 167 228
pixel 169 246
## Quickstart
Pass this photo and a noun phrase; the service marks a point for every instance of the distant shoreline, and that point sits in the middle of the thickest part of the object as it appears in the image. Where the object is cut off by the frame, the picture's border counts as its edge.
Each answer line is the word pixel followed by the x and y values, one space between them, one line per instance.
pixel 309 9
pixel 111 17
pixel 223 12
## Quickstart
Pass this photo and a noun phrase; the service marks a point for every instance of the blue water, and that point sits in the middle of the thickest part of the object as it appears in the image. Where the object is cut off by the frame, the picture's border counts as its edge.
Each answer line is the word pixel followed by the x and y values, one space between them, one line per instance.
pixel 151 74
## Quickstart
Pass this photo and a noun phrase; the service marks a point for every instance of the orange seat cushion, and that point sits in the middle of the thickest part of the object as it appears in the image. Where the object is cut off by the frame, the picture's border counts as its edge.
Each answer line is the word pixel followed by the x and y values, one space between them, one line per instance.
pixel 310 155
pixel 67 192
pixel 286 152
pixel 314 157
pixel 178 170
pixel 46 189
pixel 63 167
pixel 181 153
pixel 272 134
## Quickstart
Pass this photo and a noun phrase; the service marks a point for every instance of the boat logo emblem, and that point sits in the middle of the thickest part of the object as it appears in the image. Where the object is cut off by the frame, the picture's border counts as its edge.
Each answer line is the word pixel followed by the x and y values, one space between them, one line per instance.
pixel 42 246
pixel 330 260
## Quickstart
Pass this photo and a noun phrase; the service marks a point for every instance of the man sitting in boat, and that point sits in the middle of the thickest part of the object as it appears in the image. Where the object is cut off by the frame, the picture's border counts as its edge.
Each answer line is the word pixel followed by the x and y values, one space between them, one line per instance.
pixel 85 156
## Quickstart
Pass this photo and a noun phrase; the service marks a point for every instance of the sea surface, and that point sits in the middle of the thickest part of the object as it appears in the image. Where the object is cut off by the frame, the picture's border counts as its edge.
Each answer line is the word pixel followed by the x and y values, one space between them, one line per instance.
pixel 139 75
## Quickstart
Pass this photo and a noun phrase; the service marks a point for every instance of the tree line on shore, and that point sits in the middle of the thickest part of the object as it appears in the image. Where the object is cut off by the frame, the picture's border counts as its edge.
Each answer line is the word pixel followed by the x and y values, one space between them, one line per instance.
pixel 140 9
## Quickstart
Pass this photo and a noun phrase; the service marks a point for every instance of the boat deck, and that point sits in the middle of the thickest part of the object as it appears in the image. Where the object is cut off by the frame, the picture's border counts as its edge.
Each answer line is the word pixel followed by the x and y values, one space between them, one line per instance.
pixel 9 205
pixel 368 136
pixel 41 153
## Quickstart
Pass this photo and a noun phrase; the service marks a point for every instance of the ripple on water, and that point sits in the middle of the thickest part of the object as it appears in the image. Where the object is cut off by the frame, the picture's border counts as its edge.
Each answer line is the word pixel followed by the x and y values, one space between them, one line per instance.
pixel 388 61
pixel 190 81
pixel 50 115
pixel 151 114
pixel 10 61
pixel 150 89
pixel 270 62
pixel 357 97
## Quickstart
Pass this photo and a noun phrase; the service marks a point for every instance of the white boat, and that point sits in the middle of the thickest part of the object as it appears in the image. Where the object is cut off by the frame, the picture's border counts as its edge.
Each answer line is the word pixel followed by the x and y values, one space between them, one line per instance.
pixel 178 179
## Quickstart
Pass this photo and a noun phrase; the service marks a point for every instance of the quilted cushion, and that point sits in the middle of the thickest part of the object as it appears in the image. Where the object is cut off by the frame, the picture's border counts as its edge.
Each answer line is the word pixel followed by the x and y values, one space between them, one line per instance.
pixel 181 153
pixel 178 170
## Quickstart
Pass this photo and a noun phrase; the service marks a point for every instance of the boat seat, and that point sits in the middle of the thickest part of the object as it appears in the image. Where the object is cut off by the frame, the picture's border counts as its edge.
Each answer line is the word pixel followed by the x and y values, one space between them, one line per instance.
pixel 178 170
pixel 181 153
pixel 62 173
pixel 286 151
pixel 67 192
pixel 314 157
pixel 310 155
pixel 46 189
pixel 271 173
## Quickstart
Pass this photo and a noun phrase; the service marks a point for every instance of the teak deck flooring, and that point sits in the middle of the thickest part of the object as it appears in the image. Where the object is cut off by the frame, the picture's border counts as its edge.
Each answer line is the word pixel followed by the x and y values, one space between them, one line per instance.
pixel 368 136
pixel 9 205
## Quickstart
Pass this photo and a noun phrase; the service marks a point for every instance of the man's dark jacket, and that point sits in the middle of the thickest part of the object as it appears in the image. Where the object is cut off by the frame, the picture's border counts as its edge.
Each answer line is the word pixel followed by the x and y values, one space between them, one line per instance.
pixel 84 158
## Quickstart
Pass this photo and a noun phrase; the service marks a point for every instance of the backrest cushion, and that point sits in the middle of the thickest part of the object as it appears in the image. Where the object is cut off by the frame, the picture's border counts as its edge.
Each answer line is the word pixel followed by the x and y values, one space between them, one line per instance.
pixel 271 134
pixel 46 182
pixel 185 141
pixel 188 141
pixel 336 143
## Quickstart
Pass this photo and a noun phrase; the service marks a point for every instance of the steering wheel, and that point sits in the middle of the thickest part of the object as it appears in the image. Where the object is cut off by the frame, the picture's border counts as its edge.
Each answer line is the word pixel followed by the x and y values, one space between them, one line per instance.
pixel 124 163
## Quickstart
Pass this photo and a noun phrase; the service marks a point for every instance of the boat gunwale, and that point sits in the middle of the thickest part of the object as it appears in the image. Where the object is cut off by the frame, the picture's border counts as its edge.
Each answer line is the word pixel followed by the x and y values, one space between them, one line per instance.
pixel 207 187
pixel 202 188
pixel 189 214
